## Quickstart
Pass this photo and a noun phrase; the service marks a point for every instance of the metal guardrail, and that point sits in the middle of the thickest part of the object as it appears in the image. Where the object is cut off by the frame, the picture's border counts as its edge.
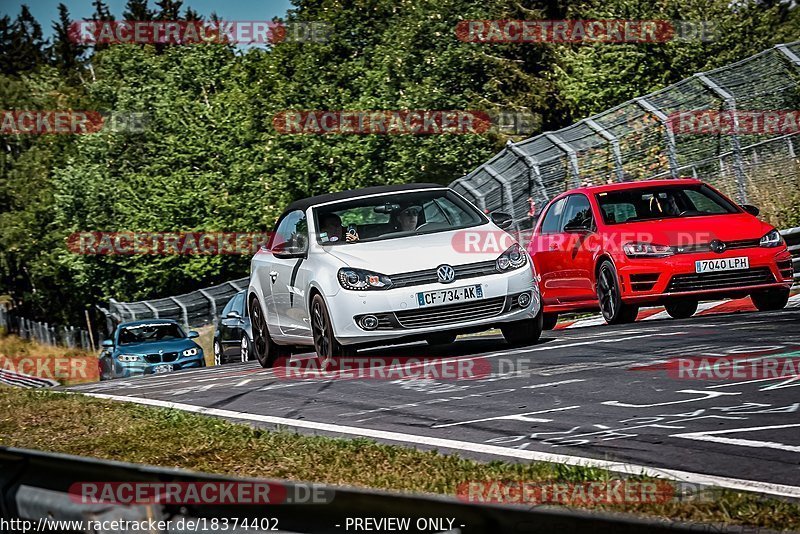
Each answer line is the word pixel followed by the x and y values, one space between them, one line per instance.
pixel 34 485
pixel 197 308
pixel 637 140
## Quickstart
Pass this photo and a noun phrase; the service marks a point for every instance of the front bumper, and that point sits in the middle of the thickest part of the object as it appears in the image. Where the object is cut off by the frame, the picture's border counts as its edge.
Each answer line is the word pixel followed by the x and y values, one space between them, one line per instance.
pixel 129 369
pixel 401 315
pixel 649 280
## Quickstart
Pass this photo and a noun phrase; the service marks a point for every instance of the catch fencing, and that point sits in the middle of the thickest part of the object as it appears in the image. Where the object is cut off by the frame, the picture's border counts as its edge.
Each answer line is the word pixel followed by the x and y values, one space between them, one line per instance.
pixel 194 309
pixel 642 139
pixel 44 333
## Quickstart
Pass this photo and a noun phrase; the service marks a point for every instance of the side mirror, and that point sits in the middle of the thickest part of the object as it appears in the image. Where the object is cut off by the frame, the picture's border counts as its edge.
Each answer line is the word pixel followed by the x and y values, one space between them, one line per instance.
pixel 233 315
pixel 752 210
pixel 107 343
pixel 192 334
pixel 502 220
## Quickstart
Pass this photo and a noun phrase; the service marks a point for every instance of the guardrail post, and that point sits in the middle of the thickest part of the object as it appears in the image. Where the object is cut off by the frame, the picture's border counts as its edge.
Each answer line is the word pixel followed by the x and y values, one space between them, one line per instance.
pixel 571 156
pixel 151 308
pixel 730 105
pixel 534 173
pixel 481 200
pixel 613 142
pixel 789 54
pixel 669 135
pixel 211 302
pixel 506 187
pixel 235 286
pixel 184 311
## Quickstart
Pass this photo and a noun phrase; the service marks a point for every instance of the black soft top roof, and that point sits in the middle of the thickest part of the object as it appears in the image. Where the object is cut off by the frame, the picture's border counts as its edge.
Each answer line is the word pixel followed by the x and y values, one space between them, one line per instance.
pixel 305 203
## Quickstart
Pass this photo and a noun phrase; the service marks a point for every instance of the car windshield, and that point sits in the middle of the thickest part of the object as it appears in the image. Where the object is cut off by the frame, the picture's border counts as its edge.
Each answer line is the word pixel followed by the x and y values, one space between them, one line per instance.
pixel 150 332
pixel 662 202
pixel 392 216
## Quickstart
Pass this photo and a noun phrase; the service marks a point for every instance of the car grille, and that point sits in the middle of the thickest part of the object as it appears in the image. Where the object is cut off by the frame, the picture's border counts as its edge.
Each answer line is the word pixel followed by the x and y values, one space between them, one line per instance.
pixel 455 313
pixel 428 276
pixel 729 245
pixel 158 358
pixel 720 280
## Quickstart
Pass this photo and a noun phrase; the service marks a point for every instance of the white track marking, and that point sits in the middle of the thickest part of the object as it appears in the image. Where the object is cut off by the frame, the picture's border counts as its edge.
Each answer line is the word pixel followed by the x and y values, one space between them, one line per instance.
pixel 536 386
pixel 494 450
pixel 526 417
pixel 712 437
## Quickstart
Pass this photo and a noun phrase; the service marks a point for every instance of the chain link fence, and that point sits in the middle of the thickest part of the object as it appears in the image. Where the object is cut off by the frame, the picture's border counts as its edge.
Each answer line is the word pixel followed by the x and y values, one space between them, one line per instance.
pixel 45 333
pixel 640 139
pixel 198 308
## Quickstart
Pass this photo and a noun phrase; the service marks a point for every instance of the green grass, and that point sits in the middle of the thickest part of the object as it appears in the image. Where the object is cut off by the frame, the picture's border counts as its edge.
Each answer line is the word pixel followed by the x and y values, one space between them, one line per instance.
pixel 77 424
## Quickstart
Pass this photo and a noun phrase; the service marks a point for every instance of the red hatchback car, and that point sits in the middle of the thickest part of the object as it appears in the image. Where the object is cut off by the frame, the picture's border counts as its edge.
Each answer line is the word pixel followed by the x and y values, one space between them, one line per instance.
pixel 666 242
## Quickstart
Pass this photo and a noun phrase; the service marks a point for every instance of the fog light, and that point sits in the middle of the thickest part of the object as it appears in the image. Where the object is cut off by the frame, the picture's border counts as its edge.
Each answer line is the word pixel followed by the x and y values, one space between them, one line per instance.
pixel 524 299
pixel 369 322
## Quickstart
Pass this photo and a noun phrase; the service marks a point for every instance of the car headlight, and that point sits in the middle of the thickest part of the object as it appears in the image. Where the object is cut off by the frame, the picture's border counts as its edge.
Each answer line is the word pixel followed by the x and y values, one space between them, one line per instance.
pixel 191 352
pixel 772 239
pixel 513 258
pixel 360 279
pixel 127 358
pixel 647 250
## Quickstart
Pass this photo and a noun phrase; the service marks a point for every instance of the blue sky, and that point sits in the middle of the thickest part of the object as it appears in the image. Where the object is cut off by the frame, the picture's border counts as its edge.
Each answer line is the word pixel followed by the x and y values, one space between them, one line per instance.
pixel 46 11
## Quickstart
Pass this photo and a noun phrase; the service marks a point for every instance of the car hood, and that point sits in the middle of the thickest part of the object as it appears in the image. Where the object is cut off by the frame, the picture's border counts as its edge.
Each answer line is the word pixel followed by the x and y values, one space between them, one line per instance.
pixel 173 345
pixel 419 252
pixel 692 230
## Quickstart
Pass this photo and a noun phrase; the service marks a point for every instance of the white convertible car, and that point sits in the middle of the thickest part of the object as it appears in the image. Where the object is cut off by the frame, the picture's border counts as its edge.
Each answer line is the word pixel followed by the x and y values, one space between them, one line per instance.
pixel 378 266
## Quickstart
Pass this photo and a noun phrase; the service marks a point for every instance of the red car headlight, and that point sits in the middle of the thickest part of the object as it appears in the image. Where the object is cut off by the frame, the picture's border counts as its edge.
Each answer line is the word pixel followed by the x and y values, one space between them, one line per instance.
pixel 647 250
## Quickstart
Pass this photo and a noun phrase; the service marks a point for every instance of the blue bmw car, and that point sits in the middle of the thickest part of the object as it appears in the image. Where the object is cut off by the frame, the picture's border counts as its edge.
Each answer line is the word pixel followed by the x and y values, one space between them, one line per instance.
pixel 146 347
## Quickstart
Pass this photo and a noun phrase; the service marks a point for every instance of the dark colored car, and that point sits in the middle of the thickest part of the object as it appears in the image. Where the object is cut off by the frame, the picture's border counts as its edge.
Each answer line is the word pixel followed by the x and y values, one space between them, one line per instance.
pixel 233 336
pixel 662 242
pixel 151 346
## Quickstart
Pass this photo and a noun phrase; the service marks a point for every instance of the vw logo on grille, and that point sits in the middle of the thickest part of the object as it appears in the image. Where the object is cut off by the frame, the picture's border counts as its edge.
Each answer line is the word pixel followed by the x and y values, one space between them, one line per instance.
pixel 718 246
pixel 446 274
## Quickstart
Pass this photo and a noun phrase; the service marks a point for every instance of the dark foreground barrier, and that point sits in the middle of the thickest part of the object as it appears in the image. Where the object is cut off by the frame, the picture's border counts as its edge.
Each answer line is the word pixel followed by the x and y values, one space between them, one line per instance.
pixel 36 487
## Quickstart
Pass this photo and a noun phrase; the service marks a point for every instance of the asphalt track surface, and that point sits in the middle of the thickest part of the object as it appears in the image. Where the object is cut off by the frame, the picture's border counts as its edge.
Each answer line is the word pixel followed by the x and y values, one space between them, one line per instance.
pixel 600 395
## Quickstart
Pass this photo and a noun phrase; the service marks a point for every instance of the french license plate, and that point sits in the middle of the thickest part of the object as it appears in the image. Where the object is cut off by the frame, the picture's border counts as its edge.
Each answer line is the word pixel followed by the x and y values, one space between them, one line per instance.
pixel 158 369
pixel 722 264
pixel 451 295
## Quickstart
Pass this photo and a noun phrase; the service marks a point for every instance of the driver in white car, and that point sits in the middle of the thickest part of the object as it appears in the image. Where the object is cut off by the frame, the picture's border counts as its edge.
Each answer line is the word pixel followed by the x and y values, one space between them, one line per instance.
pixel 407 219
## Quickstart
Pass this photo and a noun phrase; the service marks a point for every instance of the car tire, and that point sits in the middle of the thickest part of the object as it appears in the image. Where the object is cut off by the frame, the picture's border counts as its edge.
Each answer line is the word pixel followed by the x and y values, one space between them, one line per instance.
pixel 265 350
pixel 443 338
pixel 681 309
pixel 770 300
pixel 549 320
pixel 217 353
pixel 245 349
pixel 614 310
pixel 525 332
pixel 325 344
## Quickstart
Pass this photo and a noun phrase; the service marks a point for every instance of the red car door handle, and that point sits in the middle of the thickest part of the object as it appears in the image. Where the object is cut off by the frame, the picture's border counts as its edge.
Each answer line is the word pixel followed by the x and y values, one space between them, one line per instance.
pixel 553 246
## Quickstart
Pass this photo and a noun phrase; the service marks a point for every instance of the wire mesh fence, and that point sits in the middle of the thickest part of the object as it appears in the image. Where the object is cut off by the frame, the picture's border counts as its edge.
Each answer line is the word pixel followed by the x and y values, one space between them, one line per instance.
pixel 666 134
pixel 197 308
pixel 44 333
